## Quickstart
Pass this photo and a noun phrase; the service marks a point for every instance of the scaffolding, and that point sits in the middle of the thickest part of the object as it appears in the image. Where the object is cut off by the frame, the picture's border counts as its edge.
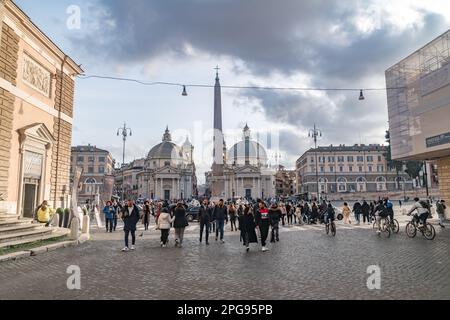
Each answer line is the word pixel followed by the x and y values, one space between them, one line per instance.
pixel 404 93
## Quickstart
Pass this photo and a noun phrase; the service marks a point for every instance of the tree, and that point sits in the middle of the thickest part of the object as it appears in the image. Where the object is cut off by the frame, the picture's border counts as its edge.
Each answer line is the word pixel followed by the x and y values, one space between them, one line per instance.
pixel 413 168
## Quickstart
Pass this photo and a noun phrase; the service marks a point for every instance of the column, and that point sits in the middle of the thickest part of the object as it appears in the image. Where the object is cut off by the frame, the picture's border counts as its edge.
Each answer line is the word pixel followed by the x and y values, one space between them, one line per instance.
pixel 162 187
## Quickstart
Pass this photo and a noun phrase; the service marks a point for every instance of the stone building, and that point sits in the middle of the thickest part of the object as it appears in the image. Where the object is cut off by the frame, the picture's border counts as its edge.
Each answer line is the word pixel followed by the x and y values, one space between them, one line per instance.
pixel 167 173
pixel 285 182
pixel 96 163
pixel 419 108
pixel 36 115
pixel 343 169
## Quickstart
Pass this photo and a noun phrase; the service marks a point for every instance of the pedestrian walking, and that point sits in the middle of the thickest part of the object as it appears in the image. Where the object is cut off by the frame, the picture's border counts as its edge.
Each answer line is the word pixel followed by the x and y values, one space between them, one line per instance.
pixel 275 216
pixel 220 215
pixel 180 223
pixel 289 213
pixel 263 223
pixel 357 210
pixel 118 209
pixel 146 215
pixel 204 218
pixel 212 224
pixel 247 227
pixel 233 216
pixel 365 208
pixel 440 209
pixel 109 211
pixel 283 213
pixel 130 217
pixel 346 211
pixel 163 224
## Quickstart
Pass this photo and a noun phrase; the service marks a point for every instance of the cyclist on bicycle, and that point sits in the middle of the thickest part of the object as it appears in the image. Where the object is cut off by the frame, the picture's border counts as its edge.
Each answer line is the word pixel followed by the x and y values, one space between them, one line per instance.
pixel 329 214
pixel 422 212
pixel 390 208
pixel 381 211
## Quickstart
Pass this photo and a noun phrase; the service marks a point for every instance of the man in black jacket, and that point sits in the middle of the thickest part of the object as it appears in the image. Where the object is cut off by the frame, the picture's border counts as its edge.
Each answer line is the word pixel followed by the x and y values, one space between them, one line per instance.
pixel 220 215
pixel 130 217
pixel 204 218
pixel 366 212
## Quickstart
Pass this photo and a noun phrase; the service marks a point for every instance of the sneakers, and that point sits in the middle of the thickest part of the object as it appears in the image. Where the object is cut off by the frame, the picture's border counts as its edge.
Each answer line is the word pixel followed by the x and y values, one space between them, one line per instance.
pixel 164 245
pixel 126 249
pixel 207 243
pixel 161 244
pixel 221 241
pixel 133 248
pixel 176 243
pixel 264 249
pixel 247 249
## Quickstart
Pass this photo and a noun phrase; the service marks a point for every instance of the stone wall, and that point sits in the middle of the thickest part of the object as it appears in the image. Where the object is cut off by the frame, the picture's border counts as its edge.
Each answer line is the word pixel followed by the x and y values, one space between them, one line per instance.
pixel 62 132
pixel 444 181
pixel 9 56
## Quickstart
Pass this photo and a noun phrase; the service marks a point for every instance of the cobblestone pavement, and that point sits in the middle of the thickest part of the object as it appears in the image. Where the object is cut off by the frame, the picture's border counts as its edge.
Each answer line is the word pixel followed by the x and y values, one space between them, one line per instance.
pixel 306 264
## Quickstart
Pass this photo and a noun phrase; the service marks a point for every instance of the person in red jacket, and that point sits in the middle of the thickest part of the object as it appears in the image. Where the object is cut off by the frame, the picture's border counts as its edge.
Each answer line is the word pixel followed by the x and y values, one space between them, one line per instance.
pixel 262 220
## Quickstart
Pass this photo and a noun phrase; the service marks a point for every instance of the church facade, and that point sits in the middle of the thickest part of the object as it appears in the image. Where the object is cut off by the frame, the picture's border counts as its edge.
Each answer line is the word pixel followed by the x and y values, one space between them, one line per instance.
pixel 169 171
pixel 241 171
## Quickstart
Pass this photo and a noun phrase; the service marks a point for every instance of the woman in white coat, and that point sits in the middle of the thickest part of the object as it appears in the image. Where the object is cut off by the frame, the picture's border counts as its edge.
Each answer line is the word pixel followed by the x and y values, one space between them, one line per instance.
pixel 164 223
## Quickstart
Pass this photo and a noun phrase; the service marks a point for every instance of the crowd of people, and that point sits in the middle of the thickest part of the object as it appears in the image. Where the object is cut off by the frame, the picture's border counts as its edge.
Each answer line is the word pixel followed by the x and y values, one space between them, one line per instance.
pixel 255 220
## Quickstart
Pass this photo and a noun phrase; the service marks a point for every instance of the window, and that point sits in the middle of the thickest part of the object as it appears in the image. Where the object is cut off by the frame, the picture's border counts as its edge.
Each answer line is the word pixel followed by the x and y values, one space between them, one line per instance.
pixel 330 159
pixel 360 158
pixel 312 159
pixel 101 169
pixel 380 168
pixel 360 169
pixel 341 159
pixel 350 169
pixel 101 159
pixel 341 169
pixel 91 159
pixel 380 159
pixel 369 158
pixel 331 169
pixel 350 158
pixel 167 163
pixel 80 159
pixel 90 169
pixel 370 168
pixel 322 169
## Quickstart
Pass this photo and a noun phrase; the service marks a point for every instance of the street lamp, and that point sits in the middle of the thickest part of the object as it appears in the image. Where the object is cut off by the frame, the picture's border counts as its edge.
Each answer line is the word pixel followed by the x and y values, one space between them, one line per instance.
pixel 124 132
pixel 314 134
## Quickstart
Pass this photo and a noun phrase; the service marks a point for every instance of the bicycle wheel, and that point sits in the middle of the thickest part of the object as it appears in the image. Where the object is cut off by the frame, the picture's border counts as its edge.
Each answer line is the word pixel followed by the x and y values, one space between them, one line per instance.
pixel 327 228
pixel 429 233
pixel 411 230
pixel 333 229
pixel 395 226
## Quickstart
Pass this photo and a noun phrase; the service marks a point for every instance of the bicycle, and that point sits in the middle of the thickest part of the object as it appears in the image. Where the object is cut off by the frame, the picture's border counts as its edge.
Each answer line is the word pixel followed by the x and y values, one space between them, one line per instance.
pixel 330 226
pixel 393 225
pixel 413 226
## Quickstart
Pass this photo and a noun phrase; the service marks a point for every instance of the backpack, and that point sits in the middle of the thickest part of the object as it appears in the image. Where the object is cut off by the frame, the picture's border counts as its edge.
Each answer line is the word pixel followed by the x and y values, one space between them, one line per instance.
pixel 384 212
pixel 425 205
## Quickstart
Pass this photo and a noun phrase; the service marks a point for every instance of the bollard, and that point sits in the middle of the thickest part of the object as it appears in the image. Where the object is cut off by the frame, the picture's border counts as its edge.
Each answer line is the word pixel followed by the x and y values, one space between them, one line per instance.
pixel 74 228
pixel 86 225
pixel 55 221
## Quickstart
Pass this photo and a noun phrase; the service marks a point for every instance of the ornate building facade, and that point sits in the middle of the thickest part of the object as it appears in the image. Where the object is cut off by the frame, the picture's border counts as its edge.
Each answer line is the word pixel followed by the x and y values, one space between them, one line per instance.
pixel 36 115
pixel 168 172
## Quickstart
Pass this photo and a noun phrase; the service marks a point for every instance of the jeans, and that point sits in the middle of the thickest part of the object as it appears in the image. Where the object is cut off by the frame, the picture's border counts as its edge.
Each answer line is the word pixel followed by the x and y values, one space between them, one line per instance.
pixel 204 225
pixel 219 228
pixel 109 224
pixel 212 226
pixel 282 219
pixel 264 229
pixel 133 237
pixel 233 223
pixel 358 217
pixel 179 235
pixel 115 222
pixel 275 232
pixel 164 235
pixel 366 217
pixel 441 218
pixel 289 219
pixel 295 219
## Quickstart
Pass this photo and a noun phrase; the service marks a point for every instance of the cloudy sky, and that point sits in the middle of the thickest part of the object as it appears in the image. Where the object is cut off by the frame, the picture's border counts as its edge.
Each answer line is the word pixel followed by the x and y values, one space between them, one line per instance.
pixel 284 43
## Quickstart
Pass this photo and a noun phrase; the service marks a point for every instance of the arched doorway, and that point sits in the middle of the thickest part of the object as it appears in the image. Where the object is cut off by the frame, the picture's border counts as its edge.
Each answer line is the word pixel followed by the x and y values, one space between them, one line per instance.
pixel 361 184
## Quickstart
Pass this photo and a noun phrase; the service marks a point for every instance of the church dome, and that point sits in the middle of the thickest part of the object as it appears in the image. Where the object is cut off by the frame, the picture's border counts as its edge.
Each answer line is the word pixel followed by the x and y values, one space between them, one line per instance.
pixel 166 149
pixel 247 152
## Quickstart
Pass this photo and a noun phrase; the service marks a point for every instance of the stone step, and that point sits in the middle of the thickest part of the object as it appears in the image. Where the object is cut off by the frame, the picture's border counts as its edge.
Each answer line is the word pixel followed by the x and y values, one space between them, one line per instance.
pixel 19 227
pixel 55 234
pixel 16 236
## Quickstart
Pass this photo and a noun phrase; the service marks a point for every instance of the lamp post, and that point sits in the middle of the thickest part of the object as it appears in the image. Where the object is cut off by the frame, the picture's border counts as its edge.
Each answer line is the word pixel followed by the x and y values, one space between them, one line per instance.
pixel 124 132
pixel 314 134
